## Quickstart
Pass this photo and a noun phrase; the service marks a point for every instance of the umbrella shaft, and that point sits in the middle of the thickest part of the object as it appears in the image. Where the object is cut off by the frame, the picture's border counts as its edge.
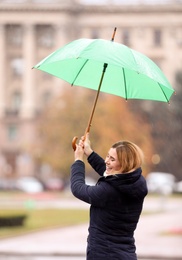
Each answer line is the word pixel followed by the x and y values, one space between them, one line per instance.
pixel 98 92
pixel 112 39
pixel 96 99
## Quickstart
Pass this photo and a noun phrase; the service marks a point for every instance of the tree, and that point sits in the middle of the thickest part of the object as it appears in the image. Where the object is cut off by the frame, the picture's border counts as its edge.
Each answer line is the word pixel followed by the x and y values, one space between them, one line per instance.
pixel 166 127
pixel 69 114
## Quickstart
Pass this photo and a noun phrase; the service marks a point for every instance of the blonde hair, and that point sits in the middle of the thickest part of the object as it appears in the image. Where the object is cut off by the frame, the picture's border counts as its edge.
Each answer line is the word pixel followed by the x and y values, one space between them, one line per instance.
pixel 129 155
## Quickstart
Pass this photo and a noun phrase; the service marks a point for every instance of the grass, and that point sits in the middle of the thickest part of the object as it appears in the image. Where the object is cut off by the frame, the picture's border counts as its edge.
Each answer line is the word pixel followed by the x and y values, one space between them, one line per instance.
pixel 40 219
pixel 43 219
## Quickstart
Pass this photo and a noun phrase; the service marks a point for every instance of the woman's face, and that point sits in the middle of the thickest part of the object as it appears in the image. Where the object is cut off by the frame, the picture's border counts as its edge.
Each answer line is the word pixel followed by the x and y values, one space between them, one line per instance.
pixel 112 163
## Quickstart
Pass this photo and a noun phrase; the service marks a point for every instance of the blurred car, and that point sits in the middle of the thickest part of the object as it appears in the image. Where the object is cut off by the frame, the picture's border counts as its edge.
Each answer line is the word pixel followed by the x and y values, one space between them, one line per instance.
pixel 7 184
pixel 54 184
pixel 161 182
pixel 29 185
pixel 178 187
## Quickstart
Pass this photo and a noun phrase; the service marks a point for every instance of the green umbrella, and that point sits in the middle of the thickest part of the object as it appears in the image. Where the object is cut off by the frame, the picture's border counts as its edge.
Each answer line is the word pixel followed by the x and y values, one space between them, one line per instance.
pixel 109 67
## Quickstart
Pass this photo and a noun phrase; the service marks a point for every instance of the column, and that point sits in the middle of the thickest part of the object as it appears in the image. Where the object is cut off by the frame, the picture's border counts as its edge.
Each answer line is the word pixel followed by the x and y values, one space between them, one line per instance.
pixel 60 35
pixel 60 39
pixel 2 70
pixel 28 85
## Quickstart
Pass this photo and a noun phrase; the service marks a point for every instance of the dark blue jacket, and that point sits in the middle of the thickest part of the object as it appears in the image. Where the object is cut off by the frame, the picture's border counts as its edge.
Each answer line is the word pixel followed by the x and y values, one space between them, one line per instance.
pixel 116 204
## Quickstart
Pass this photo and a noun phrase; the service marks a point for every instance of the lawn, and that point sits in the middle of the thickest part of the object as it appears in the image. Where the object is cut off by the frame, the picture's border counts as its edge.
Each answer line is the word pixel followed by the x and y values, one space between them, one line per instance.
pixel 46 218
pixel 43 219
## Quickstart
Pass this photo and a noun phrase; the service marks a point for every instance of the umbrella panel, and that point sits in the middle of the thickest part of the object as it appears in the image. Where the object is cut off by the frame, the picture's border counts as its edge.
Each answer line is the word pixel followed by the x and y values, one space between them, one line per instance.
pixel 118 81
pixel 103 51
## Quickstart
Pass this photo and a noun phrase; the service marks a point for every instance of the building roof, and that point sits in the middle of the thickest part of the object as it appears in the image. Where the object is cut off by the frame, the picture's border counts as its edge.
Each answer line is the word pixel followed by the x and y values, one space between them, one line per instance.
pixel 94 2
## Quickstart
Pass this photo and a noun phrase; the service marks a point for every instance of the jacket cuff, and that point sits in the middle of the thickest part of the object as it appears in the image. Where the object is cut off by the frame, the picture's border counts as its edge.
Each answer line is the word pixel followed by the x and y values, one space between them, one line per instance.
pixel 90 156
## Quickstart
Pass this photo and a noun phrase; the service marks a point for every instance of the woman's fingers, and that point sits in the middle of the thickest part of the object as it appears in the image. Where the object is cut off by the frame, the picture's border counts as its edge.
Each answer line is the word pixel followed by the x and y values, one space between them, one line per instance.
pixel 87 136
pixel 81 143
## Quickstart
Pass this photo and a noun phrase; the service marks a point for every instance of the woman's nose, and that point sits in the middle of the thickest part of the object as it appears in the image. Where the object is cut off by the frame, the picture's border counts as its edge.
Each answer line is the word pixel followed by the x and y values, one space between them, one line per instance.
pixel 106 160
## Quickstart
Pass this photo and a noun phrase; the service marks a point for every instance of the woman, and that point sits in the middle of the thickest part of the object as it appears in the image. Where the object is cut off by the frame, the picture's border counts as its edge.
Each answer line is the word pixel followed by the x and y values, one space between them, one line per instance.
pixel 116 200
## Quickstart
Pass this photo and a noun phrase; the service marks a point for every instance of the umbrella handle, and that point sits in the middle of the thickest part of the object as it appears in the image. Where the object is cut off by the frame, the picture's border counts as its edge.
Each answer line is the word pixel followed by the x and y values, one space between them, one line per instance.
pixel 76 138
pixel 74 142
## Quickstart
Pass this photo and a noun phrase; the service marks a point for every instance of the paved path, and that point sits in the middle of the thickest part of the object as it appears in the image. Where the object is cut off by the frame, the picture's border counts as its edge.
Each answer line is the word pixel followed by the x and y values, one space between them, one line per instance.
pixel 151 239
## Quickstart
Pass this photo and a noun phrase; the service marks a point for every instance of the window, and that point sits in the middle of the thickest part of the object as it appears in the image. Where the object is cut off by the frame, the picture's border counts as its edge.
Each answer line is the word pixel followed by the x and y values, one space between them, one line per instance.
pixel 126 37
pixel 45 36
pixel 46 98
pixel 94 34
pixel 14 34
pixel 12 132
pixel 179 36
pixel 157 37
pixel 17 66
pixel 16 101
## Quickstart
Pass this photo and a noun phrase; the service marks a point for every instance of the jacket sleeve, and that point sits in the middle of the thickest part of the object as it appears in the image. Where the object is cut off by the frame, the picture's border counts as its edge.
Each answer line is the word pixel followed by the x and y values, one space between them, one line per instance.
pixel 97 163
pixel 97 195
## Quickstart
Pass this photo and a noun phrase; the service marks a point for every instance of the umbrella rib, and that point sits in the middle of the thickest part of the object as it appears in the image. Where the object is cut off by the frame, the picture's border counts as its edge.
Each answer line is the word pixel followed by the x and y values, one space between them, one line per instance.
pixel 79 72
pixel 125 83
pixel 163 92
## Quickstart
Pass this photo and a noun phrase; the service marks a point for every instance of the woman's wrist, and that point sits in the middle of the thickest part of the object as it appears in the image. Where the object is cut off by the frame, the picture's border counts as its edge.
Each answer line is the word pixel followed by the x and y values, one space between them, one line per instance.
pixel 88 153
pixel 78 159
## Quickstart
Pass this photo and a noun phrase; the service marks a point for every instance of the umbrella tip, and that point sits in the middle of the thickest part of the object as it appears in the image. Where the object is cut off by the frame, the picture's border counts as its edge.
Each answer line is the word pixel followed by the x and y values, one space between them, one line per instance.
pixel 112 39
pixel 169 101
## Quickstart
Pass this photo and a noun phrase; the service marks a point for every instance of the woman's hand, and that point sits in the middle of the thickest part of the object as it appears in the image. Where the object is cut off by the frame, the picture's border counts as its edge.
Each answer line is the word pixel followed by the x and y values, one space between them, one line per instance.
pixel 79 152
pixel 86 142
pixel 83 147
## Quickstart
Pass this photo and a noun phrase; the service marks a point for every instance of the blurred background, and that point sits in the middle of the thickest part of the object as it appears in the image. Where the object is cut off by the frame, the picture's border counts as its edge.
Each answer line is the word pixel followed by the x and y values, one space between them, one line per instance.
pixel 40 114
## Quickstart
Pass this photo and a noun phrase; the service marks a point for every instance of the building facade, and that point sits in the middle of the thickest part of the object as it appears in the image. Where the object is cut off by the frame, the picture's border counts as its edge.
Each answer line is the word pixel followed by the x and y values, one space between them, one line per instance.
pixel 30 30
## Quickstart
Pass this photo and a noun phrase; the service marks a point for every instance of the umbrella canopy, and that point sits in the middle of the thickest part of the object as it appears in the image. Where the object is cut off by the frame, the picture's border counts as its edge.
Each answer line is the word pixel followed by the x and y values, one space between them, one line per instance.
pixel 109 67
pixel 129 74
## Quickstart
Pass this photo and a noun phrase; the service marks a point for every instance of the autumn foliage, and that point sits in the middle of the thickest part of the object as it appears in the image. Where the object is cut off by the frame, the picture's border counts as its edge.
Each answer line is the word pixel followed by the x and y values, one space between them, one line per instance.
pixel 68 116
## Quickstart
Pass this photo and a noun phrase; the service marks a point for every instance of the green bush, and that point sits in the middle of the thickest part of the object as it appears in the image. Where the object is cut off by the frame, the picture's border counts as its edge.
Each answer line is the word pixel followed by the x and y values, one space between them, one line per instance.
pixel 39 219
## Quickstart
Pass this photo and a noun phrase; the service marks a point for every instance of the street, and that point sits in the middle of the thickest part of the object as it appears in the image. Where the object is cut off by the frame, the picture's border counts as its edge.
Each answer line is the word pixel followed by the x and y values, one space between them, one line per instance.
pixel 158 235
